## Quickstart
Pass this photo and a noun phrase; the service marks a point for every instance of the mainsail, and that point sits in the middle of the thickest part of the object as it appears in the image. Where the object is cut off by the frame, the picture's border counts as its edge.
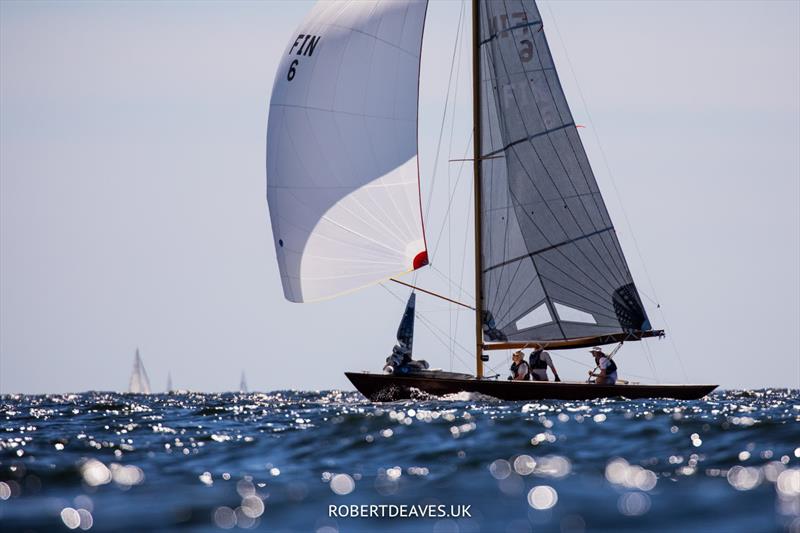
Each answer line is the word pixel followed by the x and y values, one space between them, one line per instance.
pixel 552 267
pixel 342 171
pixel 243 383
pixel 139 382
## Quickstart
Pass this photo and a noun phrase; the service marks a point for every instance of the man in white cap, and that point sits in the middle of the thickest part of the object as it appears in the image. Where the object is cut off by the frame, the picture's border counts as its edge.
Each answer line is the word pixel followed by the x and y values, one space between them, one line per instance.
pixel 608 368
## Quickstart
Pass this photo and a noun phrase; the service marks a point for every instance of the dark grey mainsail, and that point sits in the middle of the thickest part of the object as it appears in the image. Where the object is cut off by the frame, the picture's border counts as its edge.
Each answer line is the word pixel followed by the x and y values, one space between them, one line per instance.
pixel 552 266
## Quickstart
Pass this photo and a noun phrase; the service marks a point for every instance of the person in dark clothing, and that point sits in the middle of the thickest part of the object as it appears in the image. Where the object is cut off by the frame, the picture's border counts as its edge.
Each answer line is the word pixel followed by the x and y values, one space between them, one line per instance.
pixel 519 368
pixel 538 362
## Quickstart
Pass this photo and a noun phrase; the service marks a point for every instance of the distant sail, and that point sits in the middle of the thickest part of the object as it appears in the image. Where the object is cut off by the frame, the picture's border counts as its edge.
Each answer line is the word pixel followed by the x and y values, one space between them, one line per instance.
pixel 243 384
pixel 139 383
pixel 552 266
pixel 169 382
pixel 342 169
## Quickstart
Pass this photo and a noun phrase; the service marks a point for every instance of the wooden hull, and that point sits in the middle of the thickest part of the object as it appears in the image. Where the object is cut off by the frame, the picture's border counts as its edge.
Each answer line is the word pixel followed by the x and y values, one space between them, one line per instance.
pixel 387 388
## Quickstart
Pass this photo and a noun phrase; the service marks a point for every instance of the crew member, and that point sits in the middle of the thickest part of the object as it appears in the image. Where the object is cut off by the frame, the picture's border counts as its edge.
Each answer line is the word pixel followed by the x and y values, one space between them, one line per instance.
pixel 608 368
pixel 538 362
pixel 519 368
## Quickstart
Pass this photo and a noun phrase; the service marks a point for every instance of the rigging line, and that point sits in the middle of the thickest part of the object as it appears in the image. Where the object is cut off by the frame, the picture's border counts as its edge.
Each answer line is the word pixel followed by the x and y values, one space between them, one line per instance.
pixel 430 326
pixel 547 171
pixel 538 191
pixel 420 289
pixel 614 185
pixel 459 31
pixel 672 343
pixel 463 257
pixel 599 206
pixel 449 185
pixel 444 277
pixel 649 356
pixel 452 197
pixel 602 153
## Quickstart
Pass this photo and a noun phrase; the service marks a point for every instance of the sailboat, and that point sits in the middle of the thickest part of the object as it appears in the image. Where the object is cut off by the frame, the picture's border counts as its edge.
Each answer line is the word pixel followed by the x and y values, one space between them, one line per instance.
pixel 343 188
pixel 139 382
pixel 170 388
pixel 243 383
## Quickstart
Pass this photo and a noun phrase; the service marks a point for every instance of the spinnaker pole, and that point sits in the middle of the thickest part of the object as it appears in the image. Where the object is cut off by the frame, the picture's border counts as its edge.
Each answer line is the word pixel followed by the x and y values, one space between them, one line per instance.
pixel 476 142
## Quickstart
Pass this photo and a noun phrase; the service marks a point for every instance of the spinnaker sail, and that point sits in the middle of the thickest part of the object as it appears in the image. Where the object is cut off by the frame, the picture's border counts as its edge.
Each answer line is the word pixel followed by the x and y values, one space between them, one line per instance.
pixel 342 171
pixel 552 266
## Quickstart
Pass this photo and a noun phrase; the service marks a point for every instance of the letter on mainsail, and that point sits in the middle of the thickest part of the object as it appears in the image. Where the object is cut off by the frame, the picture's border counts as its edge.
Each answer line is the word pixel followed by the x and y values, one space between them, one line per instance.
pixel 342 173
pixel 552 265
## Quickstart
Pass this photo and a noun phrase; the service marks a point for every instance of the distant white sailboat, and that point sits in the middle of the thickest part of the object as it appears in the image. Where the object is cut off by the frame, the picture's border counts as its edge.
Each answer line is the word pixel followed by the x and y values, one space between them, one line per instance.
pixel 243 383
pixel 139 383
pixel 169 382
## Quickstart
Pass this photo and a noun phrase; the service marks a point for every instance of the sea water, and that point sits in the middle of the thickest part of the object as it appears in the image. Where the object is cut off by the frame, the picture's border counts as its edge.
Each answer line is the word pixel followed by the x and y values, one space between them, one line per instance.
pixel 332 461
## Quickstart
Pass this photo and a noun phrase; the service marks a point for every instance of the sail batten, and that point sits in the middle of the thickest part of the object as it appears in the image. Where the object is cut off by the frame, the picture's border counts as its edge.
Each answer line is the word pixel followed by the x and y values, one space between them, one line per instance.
pixel 547 240
pixel 342 160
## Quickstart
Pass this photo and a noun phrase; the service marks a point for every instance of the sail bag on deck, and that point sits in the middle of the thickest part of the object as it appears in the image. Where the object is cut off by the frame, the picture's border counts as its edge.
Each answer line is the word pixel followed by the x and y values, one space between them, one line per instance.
pixel 552 266
pixel 342 172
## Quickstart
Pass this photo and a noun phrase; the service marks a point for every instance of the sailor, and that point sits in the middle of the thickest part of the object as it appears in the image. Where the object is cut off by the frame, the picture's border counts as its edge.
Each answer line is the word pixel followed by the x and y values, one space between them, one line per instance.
pixel 538 362
pixel 608 368
pixel 519 368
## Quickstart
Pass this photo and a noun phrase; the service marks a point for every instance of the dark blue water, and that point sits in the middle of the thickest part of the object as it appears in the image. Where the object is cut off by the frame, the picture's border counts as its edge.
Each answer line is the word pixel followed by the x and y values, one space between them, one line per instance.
pixel 279 461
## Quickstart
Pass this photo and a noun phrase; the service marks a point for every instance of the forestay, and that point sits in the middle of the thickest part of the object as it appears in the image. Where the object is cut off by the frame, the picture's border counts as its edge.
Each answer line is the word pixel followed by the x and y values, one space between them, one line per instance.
pixel 552 266
pixel 342 172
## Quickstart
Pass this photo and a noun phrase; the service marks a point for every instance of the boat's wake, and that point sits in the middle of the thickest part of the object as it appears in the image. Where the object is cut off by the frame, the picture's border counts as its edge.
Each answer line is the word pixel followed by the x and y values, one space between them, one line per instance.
pixel 461 396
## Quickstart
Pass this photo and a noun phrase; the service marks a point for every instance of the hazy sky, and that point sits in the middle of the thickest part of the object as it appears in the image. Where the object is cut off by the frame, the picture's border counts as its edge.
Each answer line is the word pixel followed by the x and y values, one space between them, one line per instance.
pixel 133 210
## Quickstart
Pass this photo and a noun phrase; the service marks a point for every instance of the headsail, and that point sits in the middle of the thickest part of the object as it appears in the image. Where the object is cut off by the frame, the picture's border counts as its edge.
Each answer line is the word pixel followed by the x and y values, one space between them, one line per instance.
pixel 342 172
pixel 552 266
pixel 139 382
pixel 401 360
pixel 405 331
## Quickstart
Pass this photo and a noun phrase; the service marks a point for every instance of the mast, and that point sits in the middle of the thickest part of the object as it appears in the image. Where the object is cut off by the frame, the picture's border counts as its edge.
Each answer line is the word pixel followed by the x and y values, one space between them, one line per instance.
pixel 476 143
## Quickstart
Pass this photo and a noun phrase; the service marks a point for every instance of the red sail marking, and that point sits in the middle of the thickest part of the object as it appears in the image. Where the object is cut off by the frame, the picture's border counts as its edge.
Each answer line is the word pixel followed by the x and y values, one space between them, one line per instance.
pixel 421 259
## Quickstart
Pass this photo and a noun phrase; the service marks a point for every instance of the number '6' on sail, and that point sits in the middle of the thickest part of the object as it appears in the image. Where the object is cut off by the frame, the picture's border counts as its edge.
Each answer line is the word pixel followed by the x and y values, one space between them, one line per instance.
pixel 342 171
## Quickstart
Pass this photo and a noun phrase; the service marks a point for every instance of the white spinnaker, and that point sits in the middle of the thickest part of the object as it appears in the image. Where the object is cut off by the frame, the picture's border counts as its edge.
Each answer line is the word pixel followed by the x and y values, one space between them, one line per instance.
pixel 342 172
